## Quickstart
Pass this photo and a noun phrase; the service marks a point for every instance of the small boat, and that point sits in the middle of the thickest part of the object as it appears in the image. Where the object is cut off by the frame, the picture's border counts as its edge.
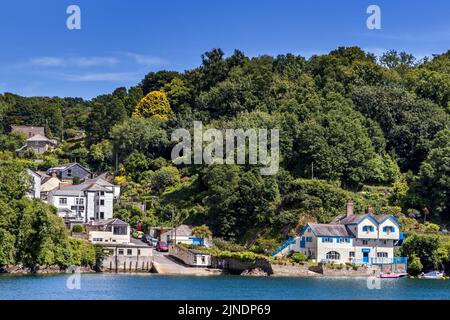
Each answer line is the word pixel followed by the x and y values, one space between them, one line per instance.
pixel 432 275
pixel 392 275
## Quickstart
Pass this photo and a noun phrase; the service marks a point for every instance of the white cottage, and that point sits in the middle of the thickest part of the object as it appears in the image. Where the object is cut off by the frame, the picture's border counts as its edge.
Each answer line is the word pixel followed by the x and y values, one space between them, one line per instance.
pixel 359 239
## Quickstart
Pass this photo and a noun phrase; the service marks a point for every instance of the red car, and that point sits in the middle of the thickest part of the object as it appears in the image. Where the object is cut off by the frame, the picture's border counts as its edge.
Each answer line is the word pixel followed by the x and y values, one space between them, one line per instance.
pixel 162 246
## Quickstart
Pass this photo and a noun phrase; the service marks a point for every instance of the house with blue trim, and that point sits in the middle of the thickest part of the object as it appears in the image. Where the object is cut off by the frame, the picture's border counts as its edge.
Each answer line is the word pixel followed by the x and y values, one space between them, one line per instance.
pixel 359 239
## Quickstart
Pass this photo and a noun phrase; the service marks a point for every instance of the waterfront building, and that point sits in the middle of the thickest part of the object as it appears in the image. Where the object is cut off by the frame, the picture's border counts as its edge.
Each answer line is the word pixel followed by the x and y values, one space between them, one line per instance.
pixel 359 239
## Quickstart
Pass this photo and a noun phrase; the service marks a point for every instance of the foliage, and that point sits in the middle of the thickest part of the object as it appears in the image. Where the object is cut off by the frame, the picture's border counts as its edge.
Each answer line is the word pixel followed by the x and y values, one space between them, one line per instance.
pixel 299 257
pixel 154 104
pixel 78 228
pixel 202 232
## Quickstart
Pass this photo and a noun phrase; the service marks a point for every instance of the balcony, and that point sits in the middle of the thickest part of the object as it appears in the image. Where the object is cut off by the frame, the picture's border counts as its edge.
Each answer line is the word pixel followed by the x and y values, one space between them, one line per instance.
pixel 380 261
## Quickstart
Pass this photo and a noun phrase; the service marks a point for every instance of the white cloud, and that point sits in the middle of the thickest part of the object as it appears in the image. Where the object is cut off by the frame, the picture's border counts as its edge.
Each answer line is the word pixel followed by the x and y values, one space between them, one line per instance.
pixel 145 60
pixel 101 76
pixel 74 61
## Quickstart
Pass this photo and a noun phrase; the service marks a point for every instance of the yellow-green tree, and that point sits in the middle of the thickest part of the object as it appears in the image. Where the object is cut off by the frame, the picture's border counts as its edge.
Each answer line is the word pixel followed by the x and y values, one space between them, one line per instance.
pixel 155 104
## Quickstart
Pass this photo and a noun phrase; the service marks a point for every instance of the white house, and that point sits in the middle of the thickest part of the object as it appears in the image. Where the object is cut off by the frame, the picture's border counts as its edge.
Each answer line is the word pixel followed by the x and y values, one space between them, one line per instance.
pixel 123 252
pixel 35 188
pixel 82 203
pixel 109 231
pixel 359 239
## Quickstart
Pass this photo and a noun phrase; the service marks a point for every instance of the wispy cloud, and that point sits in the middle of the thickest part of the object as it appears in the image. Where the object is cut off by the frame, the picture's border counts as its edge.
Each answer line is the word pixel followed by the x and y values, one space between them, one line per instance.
pixel 100 76
pixel 74 61
pixel 145 60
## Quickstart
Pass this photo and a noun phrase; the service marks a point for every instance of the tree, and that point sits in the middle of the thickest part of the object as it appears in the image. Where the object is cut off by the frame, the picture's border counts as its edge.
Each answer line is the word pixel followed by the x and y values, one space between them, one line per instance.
pixel 409 124
pixel 106 112
pixel 202 232
pixel 425 247
pixel 154 104
pixel 140 135
pixel 430 188
pixel 154 81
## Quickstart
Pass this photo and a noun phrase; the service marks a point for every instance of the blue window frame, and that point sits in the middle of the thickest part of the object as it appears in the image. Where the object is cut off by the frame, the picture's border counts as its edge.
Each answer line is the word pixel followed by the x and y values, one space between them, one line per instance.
pixel 368 229
pixel 389 229
pixel 327 239
pixel 308 239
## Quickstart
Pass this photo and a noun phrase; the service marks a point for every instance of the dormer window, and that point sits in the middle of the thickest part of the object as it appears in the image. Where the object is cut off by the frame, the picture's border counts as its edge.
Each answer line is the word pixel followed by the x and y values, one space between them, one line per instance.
pixel 389 229
pixel 368 229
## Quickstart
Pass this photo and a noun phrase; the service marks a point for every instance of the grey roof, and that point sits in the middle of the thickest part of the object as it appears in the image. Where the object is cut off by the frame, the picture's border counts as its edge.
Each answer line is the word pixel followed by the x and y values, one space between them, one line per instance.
pixel 100 181
pixel 112 221
pixel 356 218
pixel 65 166
pixel 77 189
pixel 182 230
pixel 38 137
pixel 353 219
pixel 330 230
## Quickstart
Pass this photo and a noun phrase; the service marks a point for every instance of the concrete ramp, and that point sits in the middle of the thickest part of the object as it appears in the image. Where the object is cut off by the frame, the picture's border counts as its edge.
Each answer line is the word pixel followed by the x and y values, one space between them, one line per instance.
pixel 163 264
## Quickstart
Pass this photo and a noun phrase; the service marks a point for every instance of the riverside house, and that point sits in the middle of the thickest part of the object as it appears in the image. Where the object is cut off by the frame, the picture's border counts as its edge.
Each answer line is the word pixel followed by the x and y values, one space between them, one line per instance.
pixel 123 253
pixel 89 201
pixel 360 239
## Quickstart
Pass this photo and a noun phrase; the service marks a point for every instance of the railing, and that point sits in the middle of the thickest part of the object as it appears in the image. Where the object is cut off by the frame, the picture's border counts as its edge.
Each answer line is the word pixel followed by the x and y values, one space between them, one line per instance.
pixel 396 260
pixel 400 239
pixel 283 246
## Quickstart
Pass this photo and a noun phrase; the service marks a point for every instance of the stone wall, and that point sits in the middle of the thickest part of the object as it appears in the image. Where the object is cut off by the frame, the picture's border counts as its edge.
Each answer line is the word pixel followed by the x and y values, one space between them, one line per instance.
pixel 127 264
pixel 235 266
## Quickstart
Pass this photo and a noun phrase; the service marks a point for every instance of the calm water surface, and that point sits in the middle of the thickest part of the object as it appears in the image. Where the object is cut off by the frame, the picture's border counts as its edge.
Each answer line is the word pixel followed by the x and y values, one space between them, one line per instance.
pixel 150 286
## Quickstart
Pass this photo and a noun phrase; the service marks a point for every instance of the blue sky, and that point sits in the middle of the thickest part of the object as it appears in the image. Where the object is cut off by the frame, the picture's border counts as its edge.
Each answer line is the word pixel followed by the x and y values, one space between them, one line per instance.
pixel 120 41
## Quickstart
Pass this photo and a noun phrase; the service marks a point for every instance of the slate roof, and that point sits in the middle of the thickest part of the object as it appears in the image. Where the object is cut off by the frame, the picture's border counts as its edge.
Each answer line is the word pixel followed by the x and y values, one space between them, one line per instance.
pixel 182 230
pixel 330 230
pixel 77 189
pixel 356 218
pixel 112 221
pixel 65 166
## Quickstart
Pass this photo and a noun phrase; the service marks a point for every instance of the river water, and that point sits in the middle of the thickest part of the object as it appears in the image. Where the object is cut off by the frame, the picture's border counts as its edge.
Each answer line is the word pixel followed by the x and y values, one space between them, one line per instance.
pixel 153 286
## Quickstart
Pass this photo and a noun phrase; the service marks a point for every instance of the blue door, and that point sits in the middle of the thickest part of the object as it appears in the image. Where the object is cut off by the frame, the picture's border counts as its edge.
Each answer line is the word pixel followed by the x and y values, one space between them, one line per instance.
pixel 365 255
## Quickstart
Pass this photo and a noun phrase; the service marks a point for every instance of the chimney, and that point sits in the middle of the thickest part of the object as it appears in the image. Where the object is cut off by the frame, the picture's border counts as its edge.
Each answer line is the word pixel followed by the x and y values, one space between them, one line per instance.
pixel 349 208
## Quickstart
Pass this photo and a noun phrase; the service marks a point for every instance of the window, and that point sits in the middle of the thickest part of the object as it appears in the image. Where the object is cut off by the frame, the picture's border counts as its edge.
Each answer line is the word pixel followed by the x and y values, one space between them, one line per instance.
pixel 120 252
pixel 333 255
pixel 79 201
pixel 120 230
pixel 102 202
pixel 351 254
pixel 389 229
pixel 102 215
pixel 365 242
pixel 382 255
pixel 138 252
pixel 368 229
pixel 129 252
pixel 203 259
pixel 327 240
pixel 63 201
pixel 308 239
pixel 344 240
pixel 69 172
pixel 102 193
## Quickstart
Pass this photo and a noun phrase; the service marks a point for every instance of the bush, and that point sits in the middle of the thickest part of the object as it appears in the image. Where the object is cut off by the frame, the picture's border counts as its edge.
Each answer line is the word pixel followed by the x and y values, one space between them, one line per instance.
pixel 225 245
pixel 78 228
pixel 431 227
pixel 299 257
pixel 415 266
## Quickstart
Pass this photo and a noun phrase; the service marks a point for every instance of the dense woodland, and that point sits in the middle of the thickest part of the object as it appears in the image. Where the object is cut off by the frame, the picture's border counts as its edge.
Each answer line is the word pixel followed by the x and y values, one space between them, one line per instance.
pixel 352 126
